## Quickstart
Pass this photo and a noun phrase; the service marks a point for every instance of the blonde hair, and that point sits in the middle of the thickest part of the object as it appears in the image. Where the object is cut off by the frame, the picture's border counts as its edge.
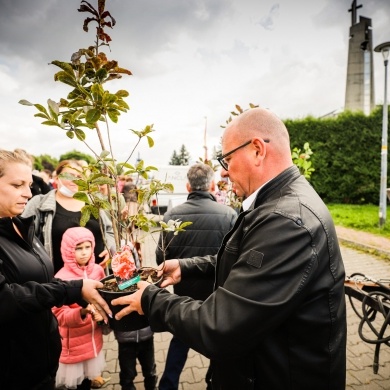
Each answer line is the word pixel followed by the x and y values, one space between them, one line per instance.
pixel 17 156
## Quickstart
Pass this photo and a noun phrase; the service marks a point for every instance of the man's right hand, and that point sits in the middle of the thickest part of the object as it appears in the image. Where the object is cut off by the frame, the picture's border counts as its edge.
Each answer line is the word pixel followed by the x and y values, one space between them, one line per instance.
pixel 170 269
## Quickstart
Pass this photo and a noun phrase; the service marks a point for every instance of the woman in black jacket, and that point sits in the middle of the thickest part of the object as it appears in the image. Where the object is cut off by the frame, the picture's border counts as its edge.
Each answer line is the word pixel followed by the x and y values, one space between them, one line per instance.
pixel 30 341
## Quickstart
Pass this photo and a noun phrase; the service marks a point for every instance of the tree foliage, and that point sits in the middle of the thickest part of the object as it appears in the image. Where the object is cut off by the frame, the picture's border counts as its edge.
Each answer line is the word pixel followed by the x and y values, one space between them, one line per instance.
pixel 76 155
pixel 45 161
pixel 346 155
pixel 181 158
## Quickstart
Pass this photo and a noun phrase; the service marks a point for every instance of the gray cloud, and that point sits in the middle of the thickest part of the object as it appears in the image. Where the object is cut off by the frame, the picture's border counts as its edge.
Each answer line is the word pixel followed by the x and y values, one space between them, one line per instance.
pixel 189 59
pixel 268 21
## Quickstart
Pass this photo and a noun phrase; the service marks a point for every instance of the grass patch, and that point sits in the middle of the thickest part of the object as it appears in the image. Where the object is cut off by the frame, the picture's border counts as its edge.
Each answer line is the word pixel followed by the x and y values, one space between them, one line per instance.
pixel 360 217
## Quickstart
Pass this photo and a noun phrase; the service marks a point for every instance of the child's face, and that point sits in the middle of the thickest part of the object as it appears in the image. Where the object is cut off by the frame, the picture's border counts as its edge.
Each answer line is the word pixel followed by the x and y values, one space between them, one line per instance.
pixel 83 253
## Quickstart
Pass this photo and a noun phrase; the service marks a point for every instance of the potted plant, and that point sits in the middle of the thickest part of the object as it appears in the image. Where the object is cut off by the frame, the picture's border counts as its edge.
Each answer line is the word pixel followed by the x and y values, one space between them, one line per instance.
pixel 90 106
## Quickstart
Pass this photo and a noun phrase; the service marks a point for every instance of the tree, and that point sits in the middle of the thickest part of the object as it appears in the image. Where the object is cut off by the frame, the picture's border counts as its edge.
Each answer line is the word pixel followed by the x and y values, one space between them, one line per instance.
pixel 76 155
pixel 174 159
pixel 89 108
pixel 183 158
pixel 45 161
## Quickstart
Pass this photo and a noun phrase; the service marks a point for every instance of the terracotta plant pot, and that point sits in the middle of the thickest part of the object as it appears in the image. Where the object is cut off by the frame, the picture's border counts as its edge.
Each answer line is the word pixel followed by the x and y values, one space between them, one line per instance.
pixel 133 321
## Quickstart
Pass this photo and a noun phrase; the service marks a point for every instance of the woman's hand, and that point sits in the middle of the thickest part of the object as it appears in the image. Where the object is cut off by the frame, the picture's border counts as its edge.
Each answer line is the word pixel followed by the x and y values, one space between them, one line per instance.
pixel 92 296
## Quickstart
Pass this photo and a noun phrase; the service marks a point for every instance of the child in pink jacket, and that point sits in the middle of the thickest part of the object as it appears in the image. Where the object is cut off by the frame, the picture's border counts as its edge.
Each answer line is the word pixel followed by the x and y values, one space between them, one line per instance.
pixel 82 357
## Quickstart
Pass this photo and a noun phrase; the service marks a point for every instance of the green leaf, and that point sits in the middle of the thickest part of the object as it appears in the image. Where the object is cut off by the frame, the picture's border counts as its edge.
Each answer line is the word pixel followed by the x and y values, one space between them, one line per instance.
pixel 104 154
pixel 150 141
pixel 40 115
pixel 70 134
pixel 81 196
pixel 25 102
pixel 93 115
pixel 65 78
pixel 97 91
pixel 109 99
pixel 78 103
pixel 40 108
pixel 64 66
pixel 122 104
pixel 53 106
pixel 95 212
pixel 113 115
pixel 101 74
pixel 80 134
pixel 51 123
pixel 151 168
pixel 185 224
pixel 103 180
pixel 85 216
pixel 122 93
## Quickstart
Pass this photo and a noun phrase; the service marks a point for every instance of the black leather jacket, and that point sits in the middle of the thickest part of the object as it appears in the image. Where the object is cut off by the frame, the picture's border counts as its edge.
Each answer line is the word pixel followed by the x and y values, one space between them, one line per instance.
pixel 30 341
pixel 276 320
pixel 210 222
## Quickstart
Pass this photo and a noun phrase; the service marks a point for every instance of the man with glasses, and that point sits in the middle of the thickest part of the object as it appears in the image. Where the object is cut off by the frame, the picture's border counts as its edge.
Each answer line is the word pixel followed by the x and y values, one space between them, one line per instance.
pixel 276 319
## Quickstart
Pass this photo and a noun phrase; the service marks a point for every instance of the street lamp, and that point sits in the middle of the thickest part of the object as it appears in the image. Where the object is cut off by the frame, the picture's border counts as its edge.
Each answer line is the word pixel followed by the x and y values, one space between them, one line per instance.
pixel 384 48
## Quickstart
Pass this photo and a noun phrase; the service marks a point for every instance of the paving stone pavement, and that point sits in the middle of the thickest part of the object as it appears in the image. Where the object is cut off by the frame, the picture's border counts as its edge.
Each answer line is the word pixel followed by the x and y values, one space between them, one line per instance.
pixel 360 354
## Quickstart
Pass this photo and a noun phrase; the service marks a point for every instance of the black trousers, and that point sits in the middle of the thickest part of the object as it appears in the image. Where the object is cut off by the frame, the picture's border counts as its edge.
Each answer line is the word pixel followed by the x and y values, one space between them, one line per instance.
pixel 128 353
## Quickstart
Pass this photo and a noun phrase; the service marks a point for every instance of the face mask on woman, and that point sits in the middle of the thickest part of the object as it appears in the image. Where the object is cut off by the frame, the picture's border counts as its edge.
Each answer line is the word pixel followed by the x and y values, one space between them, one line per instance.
pixel 65 190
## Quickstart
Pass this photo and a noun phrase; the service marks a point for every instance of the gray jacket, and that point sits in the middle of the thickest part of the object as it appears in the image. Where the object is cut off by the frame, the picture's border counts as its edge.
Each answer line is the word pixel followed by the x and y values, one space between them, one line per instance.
pixel 133 336
pixel 47 204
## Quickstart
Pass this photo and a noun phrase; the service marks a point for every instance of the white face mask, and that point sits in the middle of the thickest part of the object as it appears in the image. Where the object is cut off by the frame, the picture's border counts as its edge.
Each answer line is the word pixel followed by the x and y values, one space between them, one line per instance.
pixel 65 190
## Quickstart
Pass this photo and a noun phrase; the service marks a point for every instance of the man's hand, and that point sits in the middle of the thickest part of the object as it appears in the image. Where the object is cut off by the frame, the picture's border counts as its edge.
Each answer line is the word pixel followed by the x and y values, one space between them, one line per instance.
pixel 133 301
pixel 92 296
pixel 171 272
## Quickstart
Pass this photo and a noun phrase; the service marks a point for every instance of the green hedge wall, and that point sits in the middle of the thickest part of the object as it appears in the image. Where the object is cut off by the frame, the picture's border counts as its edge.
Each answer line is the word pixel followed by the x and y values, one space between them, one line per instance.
pixel 346 155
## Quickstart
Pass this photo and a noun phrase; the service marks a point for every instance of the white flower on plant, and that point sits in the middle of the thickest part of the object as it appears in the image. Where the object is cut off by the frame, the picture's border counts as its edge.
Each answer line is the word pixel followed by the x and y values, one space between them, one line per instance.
pixel 174 225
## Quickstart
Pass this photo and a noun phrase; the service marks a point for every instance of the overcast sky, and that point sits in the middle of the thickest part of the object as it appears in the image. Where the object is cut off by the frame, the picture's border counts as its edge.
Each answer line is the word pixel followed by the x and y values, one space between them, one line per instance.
pixel 190 59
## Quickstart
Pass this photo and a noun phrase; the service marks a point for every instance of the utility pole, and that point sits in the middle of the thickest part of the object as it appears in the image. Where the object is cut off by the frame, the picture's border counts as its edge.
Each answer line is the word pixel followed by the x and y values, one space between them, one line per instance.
pixel 205 141
pixel 384 48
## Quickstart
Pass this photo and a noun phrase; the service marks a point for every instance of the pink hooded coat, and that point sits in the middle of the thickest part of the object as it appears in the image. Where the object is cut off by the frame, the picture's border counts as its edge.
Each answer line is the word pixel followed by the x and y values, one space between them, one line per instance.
pixel 82 338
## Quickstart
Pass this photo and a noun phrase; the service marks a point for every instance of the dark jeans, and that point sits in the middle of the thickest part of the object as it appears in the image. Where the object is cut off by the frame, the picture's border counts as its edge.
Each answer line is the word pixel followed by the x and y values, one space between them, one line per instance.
pixel 127 355
pixel 176 359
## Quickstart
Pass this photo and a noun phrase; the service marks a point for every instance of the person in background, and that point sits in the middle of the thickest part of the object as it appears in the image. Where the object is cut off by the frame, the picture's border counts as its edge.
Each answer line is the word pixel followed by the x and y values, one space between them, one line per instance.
pixel 39 186
pixel 82 358
pixel 131 198
pixel 130 195
pixel 221 194
pixel 30 340
pixel 53 180
pixel 121 201
pixel 46 175
pixel 133 345
pixel 277 318
pixel 121 183
pixel 57 211
pixel 210 222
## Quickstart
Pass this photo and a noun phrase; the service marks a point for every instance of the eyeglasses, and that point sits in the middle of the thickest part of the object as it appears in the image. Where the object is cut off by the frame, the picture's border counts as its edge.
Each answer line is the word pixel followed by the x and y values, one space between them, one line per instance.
pixel 225 164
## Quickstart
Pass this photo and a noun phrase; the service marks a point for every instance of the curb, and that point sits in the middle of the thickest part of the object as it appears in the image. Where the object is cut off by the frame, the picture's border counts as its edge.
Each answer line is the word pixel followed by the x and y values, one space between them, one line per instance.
pixel 383 253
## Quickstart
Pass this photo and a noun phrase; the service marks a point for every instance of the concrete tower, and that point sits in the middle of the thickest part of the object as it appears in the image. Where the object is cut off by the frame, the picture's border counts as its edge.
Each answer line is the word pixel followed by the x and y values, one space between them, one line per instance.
pixel 359 94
